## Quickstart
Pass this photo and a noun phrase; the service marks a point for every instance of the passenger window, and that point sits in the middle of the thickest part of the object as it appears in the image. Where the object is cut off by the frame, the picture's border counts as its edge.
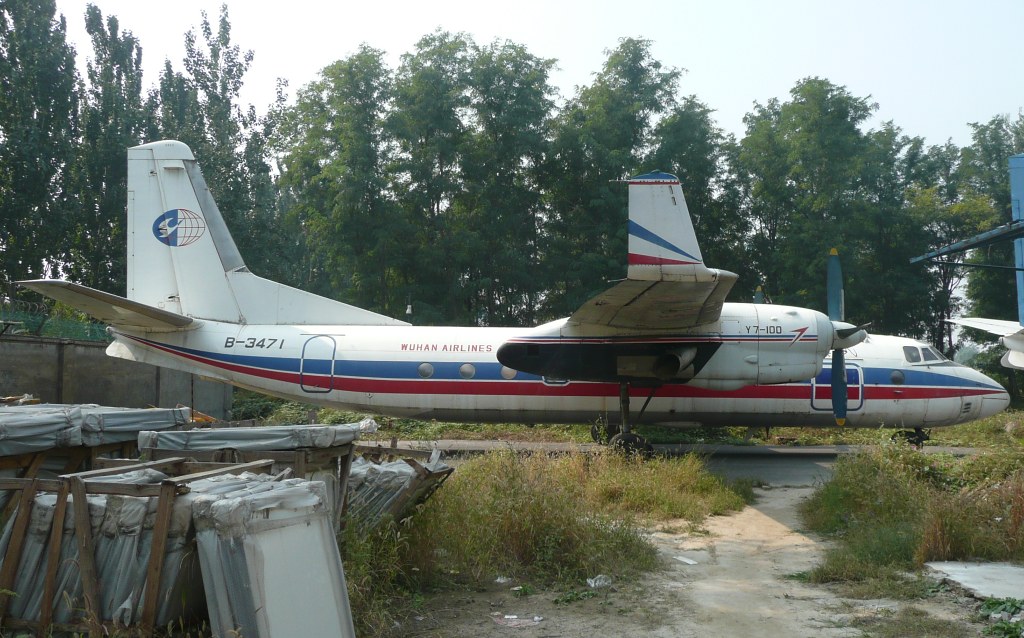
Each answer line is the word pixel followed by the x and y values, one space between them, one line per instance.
pixel 930 355
pixel 912 354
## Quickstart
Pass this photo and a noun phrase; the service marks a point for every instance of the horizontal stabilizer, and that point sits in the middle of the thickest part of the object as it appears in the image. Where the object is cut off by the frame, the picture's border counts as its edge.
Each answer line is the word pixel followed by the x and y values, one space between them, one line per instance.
pixel 108 308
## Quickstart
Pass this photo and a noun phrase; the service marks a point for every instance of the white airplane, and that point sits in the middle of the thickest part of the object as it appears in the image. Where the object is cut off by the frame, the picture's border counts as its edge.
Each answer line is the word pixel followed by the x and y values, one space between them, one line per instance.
pixel 664 334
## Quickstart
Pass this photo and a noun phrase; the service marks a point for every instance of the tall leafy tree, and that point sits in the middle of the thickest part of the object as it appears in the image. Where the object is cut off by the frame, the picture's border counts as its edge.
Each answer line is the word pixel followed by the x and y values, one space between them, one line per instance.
pixel 334 173
pixel 985 170
pixel 38 125
pixel 803 160
pixel 112 119
pixel 600 137
pixel 500 206
pixel 428 126
pixel 689 144
pixel 200 107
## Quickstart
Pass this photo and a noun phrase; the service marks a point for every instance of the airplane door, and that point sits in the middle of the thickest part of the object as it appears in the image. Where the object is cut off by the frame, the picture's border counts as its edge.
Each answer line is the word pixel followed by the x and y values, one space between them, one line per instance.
pixel 316 368
pixel 821 389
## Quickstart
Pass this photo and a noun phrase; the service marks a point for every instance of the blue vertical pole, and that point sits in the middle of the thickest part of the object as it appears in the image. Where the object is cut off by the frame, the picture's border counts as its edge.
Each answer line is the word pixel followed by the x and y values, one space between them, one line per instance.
pixel 1016 197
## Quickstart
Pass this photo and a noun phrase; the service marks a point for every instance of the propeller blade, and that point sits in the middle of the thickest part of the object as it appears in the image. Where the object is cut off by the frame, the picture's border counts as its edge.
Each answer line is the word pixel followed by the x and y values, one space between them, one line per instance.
pixel 846 333
pixel 834 288
pixel 839 396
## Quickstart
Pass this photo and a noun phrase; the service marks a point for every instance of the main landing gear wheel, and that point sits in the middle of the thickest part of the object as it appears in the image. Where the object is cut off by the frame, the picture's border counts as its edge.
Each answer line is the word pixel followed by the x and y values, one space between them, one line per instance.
pixel 915 438
pixel 631 444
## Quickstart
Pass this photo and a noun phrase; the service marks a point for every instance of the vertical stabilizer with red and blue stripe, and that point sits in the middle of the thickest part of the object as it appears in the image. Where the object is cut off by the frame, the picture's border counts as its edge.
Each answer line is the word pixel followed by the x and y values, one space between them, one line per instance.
pixel 660 229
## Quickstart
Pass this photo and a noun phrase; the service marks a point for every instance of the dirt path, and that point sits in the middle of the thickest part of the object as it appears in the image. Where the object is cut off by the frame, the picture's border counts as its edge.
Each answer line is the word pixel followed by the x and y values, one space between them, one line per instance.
pixel 733 580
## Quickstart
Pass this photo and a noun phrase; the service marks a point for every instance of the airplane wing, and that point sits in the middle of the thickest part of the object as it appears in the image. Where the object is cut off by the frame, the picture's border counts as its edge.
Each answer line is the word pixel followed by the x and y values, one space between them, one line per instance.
pixel 658 305
pixel 108 308
pixel 999 327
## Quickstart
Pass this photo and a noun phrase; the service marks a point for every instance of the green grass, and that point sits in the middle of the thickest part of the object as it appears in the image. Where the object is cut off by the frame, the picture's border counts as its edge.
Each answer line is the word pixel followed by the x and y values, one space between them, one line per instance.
pixel 891 509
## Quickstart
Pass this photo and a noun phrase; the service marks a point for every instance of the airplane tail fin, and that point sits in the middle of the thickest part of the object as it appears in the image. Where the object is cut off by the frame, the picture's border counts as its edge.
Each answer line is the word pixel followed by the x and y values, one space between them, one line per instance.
pixel 182 259
pixel 661 235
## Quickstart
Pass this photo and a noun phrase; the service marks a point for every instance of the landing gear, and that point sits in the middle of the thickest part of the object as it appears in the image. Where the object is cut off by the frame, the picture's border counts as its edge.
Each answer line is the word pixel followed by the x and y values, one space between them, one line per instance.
pixel 915 438
pixel 624 439
pixel 630 443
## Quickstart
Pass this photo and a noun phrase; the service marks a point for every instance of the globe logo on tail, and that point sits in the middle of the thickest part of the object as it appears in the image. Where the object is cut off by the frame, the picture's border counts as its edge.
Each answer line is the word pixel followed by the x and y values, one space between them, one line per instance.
pixel 178 227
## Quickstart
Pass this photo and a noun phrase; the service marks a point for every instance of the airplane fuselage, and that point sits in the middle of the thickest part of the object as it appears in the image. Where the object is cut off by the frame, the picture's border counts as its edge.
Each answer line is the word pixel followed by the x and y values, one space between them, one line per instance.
pixel 453 374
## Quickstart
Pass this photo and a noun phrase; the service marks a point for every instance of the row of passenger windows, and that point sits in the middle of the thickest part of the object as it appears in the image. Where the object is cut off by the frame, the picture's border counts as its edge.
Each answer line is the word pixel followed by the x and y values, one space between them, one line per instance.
pixel 466 371
pixel 914 354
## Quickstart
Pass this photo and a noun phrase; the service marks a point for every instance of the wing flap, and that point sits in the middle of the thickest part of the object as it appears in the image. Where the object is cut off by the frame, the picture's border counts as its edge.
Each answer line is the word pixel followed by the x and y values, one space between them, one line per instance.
pixel 108 308
pixel 658 305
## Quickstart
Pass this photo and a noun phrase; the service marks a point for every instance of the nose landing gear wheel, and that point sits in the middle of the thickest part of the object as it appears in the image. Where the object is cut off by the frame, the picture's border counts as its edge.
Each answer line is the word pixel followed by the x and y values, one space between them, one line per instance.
pixel 630 443
pixel 915 438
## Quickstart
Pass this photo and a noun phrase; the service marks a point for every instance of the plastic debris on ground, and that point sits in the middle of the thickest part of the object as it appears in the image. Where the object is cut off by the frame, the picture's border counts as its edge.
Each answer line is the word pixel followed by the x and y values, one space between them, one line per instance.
pixel 392 488
pixel 599 581
pixel 514 621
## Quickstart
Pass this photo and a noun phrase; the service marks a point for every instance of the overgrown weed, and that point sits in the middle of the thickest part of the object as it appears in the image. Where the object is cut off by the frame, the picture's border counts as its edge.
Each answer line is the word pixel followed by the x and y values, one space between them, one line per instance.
pixel 891 509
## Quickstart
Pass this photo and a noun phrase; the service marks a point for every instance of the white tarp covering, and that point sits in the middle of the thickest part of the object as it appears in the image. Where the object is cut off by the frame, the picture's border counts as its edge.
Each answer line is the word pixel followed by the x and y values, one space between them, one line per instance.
pixel 44 426
pixel 279 437
pixel 266 439
pixel 270 561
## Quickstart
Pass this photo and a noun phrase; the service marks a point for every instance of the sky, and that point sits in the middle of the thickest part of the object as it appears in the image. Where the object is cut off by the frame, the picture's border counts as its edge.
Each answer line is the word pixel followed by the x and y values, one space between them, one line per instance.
pixel 931 66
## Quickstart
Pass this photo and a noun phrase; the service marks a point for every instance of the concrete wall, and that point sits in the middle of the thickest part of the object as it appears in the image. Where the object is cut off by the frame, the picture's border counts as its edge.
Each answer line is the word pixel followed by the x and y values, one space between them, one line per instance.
pixel 62 371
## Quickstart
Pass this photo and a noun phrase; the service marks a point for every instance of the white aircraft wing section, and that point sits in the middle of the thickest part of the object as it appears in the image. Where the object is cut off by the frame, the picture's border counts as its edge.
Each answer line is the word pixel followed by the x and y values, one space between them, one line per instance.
pixel 108 308
pixel 657 305
pixel 1001 327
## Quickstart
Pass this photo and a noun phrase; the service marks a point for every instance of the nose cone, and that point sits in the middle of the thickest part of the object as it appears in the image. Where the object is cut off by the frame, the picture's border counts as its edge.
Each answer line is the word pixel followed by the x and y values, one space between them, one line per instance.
pixel 992 402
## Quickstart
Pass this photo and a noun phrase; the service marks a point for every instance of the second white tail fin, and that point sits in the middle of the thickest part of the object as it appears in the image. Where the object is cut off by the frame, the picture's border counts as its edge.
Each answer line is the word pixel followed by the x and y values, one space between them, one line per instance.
pixel 182 259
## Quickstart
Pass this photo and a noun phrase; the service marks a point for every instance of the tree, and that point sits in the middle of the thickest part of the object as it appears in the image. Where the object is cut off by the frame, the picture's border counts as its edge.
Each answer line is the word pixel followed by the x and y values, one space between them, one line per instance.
pixel 38 125
pixel 112 119
pixel 500 209
pixel 200 108
pixel 334 173
pixel 428 127
pixel 985 170
pixel 601 137
pixel 688 144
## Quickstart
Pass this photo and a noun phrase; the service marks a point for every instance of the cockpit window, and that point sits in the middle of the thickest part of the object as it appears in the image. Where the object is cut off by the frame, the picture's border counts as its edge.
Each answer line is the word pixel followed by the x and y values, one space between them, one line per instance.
pixel 931 354
pixel 912 354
